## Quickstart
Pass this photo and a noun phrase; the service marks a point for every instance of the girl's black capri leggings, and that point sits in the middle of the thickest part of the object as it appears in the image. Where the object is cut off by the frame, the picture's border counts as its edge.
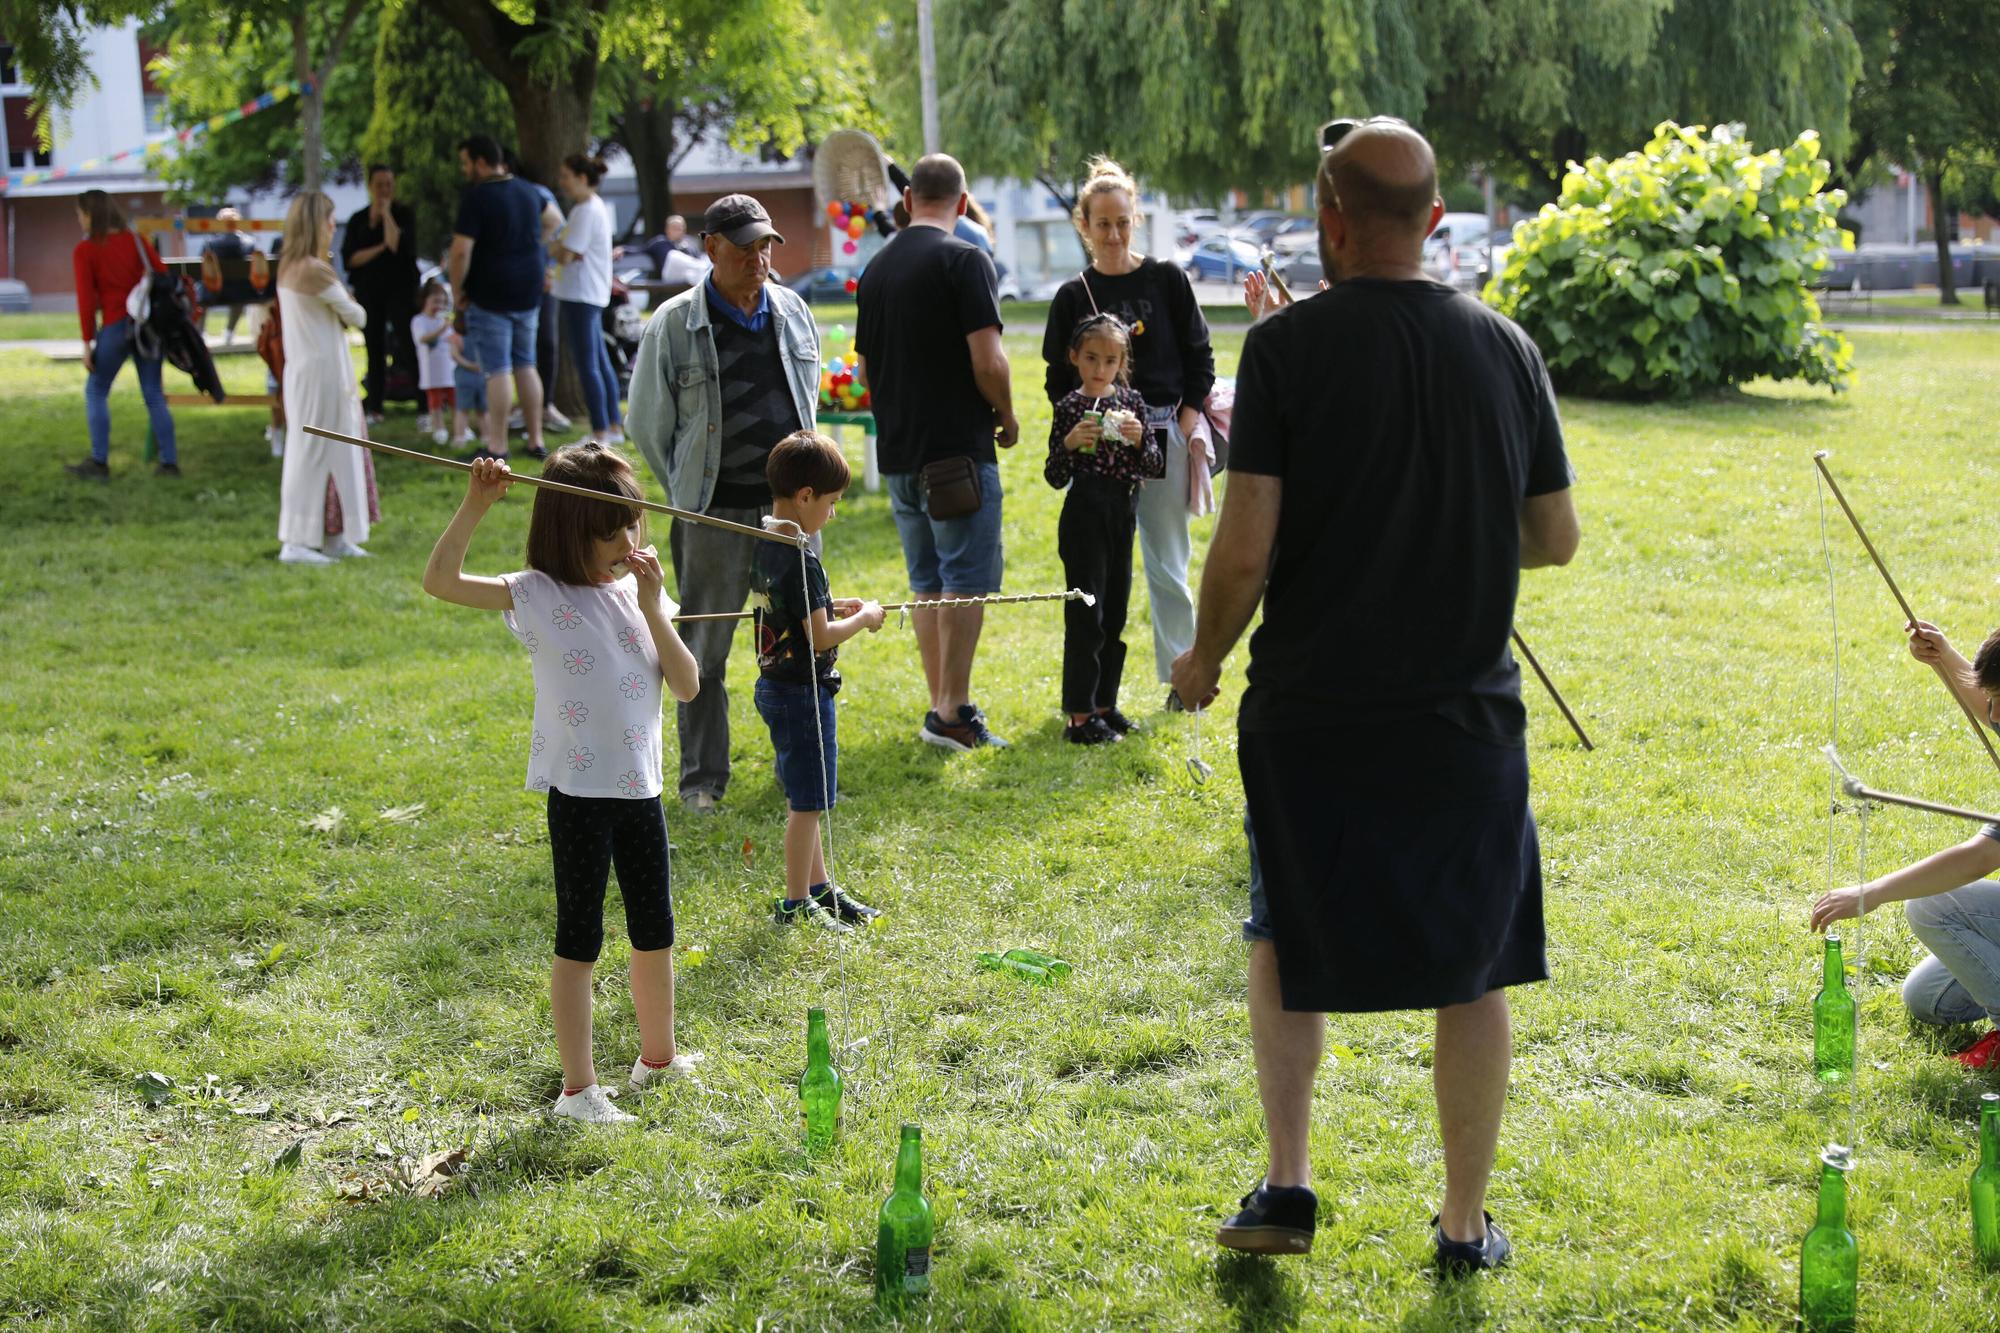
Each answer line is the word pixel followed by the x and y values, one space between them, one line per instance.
pixel 588 835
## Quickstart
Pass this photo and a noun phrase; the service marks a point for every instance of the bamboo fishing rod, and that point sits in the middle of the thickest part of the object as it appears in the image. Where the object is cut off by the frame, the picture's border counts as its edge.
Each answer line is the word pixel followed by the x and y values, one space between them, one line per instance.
pixel 1861 791
pixel 1554 693
pixel 523 479
pixel 935 603
pixel 1819 461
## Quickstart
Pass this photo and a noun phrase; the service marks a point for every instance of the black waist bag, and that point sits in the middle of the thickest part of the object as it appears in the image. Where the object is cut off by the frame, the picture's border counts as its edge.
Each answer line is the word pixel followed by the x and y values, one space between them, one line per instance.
pixel 951 487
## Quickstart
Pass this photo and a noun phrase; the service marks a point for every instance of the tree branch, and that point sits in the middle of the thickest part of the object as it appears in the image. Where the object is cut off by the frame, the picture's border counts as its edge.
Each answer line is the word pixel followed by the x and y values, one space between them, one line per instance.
pixel 340 36
pixel 489 34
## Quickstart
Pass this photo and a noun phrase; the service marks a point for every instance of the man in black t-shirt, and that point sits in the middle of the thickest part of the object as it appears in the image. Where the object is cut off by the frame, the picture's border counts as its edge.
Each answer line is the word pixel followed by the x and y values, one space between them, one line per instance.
pixel 379 251
pixel 1396 460
pixel 928 335
pixel 496 266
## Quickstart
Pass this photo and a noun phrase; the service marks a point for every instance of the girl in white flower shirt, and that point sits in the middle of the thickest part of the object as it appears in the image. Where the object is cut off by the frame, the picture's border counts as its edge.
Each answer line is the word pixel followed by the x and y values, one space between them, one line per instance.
pixel 592 611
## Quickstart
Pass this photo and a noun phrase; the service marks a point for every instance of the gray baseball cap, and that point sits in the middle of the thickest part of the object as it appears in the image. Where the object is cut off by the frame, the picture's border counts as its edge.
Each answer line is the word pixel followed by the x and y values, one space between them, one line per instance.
pixel 738 219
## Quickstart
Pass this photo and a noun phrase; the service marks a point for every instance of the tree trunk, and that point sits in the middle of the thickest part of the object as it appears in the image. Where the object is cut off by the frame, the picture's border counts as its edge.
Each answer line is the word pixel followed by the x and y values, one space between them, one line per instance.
pixel 1941 229
pixel 649 139
pixel 311 146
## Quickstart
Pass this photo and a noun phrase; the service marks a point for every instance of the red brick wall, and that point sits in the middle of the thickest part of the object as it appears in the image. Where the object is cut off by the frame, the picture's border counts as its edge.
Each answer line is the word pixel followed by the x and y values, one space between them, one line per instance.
pixel 792 213
pixel 46 232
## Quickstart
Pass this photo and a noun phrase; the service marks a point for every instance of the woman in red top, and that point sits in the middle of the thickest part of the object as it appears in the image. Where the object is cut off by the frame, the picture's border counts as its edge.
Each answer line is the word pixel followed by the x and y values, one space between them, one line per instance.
pixel 110 261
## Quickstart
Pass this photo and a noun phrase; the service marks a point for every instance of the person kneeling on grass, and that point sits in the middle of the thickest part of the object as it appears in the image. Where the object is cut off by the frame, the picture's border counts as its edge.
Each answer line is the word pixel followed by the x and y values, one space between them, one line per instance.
pixel 1947 898
pixel 592 612
pixel 797 644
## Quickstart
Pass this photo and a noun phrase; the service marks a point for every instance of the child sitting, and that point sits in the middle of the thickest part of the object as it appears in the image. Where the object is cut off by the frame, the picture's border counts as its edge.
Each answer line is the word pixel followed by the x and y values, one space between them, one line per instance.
pixel 428 330
pixel 1100 448
pixel 797 644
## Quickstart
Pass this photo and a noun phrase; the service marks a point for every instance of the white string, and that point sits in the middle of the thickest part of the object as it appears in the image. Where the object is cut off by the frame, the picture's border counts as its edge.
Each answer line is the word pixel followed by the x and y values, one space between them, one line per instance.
pixel 1862 810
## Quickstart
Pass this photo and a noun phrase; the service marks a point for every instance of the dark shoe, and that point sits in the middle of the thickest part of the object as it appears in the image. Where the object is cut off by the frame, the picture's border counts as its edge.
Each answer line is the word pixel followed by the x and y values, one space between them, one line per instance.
pixel 167 470
pixel 969 715
pixel 948 735
pixel 1117 721
pixel 89 469
pixel 808 913
pixel 1273 1221
pixel 1456 1258
pixel 1174 704
pixel 844 907
pixel 1090 731
pixel 535 451
pixel 481 452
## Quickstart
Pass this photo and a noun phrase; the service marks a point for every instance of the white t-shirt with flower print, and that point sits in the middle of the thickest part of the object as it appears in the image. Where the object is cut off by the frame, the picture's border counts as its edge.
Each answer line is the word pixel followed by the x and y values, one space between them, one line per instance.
pixel 597 686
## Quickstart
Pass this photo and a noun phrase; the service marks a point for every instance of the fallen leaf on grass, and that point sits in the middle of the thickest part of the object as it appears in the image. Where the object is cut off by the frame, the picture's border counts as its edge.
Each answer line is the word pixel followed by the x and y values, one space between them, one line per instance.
pixel 436 1173
pixel 355 1191
pixel 278 951
pixel 253 1109
pixel 400 814
pixel 328 821
pixel 288 1160
pixel 155 1087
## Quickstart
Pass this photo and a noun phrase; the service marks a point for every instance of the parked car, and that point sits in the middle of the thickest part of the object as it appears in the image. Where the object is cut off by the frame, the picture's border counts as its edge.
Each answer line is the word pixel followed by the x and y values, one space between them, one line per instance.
pixel 1297 236
pixel 821 284
pixel 1191 225
pixel 14 297
pixel 1221 259
pixel 1263 228
pixel 1456 249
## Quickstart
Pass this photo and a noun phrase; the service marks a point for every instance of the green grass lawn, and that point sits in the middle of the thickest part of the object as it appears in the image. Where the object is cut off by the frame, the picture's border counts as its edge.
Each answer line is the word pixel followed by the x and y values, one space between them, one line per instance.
pixel 57 324
pixel 178 706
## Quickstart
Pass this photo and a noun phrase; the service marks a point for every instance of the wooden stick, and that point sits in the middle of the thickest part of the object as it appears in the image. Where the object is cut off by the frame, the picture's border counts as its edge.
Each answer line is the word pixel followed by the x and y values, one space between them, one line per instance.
pixel 1554 693
pixel 1072 595
pixel 1861 793
pixel 1819 461
pixel 523 479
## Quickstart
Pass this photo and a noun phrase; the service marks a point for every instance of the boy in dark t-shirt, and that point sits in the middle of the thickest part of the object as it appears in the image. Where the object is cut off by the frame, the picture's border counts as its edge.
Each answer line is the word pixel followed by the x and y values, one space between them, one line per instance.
pixel 797 643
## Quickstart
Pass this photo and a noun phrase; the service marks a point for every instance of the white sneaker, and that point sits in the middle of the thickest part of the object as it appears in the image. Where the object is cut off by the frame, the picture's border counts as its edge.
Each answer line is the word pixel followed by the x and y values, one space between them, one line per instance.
pixel 342 549
pixel 293 554
pixel 277 439
pixel 440 436
pixel 554 420
pixel 644 1075
pixel 592 1107
pixel 614 437
pixel 470 437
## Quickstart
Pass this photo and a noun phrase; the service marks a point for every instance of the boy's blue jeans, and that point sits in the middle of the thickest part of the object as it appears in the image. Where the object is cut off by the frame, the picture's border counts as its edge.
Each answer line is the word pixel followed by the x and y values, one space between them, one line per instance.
pixel 803 744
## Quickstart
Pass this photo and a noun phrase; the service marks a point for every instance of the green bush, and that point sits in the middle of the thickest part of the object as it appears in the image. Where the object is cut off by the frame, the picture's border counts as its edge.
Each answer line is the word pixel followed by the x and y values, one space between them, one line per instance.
pixel 1680 268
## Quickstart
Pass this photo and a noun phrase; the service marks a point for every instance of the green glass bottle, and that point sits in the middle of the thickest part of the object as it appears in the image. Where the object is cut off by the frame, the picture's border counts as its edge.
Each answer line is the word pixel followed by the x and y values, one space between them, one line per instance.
pixel 1830 1262
pixel 1005 963
pixel 903 1230
pixel 819 1087
pixel 1054 966
pixel 1833 1022
pixel 1986 1185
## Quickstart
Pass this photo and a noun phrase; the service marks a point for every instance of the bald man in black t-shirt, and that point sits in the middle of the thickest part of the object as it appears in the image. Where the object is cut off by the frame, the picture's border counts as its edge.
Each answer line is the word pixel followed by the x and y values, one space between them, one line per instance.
pixel 1396 460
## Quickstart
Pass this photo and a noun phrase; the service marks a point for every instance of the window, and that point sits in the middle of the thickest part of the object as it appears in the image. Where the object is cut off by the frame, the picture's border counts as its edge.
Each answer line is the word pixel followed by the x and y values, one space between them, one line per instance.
pixel 1047 249
pixel 22 150
pixel 156 113
pixel 9 72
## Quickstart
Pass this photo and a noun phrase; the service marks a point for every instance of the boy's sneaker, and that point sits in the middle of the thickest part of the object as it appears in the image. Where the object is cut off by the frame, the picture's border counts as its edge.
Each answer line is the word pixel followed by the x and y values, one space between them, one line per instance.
pixel 844 907
pixel 1982 1054
pixel 1090 731
pixel 808 913
pixel 89 469
pixel 1458 1257
pixel 1273 1221
pixel 1117 721
pixel 591 1107
pixel 948 735
pixel 645 1076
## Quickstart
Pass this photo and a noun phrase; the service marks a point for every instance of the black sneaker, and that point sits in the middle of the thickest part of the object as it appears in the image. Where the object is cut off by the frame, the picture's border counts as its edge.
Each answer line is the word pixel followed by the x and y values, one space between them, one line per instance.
pixel 167 469
pixel 1117 721
pixel 1455 1258
pixel 535 451
pixel 481 452
pixel 89 469
pixel 1174 704
pixel 844 907
pixel 808 913
pixel 1273 1221
pixel 948 735
pixel 1090 731
pixel 969 715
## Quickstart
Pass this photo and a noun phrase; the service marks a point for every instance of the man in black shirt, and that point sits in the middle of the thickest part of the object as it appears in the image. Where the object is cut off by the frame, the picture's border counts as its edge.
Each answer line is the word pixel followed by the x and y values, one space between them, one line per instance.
pixel 928 337
pixel 496 268
pixel 1396 460
pixel 379 251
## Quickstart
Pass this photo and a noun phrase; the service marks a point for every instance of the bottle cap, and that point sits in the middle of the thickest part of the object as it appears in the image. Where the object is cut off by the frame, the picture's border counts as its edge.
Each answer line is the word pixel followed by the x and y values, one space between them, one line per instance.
pixel 1838 1156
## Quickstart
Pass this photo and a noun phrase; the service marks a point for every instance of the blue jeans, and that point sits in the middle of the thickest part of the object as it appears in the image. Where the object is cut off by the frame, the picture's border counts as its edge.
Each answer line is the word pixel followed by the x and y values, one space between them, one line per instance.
pixel 1960 981
pixel 959 557
pixel 114 344
pixel 502 340
pixel 583 329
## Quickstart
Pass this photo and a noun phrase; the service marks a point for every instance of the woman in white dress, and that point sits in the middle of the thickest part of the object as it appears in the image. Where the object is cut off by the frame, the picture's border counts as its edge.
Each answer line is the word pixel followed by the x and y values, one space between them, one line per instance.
pixel 328 497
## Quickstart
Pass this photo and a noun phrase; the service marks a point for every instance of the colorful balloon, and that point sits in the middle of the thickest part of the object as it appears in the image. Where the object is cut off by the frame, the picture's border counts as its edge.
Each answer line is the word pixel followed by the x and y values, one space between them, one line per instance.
pixel 836 209
pixel 856 226
pixel 848 247
pixel 853 286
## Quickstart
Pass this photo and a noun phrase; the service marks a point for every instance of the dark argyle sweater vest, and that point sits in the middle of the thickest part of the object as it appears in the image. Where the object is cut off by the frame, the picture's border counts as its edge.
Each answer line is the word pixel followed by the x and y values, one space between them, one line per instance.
pixel 757 410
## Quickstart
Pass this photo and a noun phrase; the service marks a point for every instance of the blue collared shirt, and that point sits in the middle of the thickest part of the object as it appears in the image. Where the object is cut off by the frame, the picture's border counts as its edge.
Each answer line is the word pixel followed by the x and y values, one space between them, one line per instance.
pixel 756 321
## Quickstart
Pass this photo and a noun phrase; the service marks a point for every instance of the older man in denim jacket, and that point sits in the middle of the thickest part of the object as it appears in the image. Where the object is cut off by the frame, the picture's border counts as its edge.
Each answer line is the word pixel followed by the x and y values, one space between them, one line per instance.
pixel 725 370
